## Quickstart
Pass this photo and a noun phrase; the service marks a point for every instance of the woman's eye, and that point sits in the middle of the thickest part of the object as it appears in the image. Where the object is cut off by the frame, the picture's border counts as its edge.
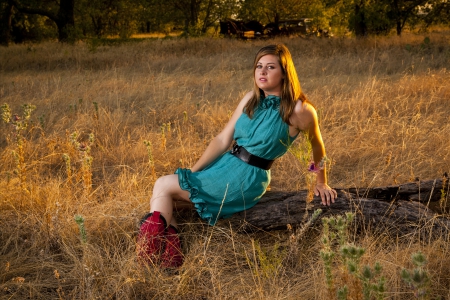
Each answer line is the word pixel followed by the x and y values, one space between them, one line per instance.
pixel 258 66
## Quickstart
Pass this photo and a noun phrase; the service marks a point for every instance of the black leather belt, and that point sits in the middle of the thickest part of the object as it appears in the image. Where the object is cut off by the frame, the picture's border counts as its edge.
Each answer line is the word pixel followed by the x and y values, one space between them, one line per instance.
pixel 253 160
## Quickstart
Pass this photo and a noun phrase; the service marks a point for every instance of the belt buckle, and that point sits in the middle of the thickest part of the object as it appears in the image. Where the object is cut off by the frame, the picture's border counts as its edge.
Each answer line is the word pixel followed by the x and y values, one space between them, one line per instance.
pixel 235 149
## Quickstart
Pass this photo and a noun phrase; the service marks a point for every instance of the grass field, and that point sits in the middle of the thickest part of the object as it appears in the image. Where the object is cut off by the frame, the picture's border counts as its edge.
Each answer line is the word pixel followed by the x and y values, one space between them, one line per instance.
pixel 108 120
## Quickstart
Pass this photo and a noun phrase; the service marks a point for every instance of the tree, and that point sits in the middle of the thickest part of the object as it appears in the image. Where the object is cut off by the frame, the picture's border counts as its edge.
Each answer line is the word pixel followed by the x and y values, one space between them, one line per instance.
pixel 161 16
pixel 199 15
pixel 190 10
pixel 61 12
pixel 402 10
pixel 435 12
pixel 358 22
pixel 272 11
pixel 109 17
pixel 380 17
pixel 5 22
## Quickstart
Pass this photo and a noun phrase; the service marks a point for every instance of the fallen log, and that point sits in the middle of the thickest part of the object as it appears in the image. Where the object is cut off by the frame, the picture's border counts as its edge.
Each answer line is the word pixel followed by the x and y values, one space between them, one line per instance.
pixel 422 191
pixel 400 209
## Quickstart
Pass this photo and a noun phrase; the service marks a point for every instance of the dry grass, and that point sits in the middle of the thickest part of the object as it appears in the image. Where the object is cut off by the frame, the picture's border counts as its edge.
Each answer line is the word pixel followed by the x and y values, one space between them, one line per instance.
pixel 384 112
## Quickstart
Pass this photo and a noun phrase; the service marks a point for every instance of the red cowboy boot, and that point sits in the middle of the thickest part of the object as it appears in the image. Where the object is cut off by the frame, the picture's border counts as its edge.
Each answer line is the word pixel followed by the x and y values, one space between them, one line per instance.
pixel 150 241
pixel 172 257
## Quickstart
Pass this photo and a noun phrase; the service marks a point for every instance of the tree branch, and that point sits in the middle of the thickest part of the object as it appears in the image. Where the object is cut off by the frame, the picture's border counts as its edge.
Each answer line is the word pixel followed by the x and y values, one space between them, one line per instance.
pixel 35 11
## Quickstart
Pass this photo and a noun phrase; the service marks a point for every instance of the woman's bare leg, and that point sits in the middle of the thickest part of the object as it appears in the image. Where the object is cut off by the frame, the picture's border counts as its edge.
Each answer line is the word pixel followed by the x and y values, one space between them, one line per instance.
pixel 165 192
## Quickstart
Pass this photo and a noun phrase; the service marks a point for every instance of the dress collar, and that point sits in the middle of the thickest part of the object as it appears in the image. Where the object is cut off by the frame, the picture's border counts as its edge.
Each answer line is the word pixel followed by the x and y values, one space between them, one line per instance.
pixel 270 101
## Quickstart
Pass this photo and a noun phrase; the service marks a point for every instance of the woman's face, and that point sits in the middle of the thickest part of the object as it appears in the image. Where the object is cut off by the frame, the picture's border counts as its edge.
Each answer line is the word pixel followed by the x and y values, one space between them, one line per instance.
pixel 269 75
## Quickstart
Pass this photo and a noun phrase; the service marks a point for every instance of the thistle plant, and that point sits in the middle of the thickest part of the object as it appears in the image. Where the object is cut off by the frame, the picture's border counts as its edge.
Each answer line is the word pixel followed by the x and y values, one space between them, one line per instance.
pixel 327 254
pixel 342 225
pixel 371 279
pixel 417 278
pixel 20 125
pixel 80 221
pixel 83 149
pixel 335 245
pixel 296 236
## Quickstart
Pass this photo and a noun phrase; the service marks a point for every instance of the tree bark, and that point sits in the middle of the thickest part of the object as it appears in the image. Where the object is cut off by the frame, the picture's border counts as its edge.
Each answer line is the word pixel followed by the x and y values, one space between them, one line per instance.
pixel 401 209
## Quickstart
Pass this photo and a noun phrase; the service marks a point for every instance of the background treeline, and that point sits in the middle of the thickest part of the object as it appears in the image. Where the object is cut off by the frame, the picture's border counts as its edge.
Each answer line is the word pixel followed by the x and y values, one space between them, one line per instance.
pixel 71 20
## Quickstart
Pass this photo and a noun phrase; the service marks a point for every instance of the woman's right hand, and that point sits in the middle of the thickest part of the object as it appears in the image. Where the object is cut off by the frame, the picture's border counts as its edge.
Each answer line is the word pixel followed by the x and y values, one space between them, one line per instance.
pixel 327 194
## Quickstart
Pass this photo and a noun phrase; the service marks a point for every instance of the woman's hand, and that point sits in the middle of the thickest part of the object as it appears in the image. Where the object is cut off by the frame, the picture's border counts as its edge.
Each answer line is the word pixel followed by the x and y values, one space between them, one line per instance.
pixel 326 193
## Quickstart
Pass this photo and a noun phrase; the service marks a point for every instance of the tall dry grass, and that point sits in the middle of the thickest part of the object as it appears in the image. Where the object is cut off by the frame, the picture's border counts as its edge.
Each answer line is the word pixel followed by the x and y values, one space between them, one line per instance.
pixel 384 114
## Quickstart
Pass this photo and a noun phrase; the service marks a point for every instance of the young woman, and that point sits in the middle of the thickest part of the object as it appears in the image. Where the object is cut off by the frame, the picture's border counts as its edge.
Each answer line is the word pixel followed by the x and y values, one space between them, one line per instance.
pixel 224 182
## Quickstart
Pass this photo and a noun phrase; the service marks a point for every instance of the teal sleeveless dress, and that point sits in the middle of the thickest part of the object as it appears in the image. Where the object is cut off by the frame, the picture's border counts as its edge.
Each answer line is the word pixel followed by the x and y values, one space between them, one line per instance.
pixel 229 185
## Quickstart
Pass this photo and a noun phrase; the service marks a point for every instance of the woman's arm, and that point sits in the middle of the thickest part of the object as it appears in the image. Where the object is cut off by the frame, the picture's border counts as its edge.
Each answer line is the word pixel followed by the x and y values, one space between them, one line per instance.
pixel 305 118
pixel 223 140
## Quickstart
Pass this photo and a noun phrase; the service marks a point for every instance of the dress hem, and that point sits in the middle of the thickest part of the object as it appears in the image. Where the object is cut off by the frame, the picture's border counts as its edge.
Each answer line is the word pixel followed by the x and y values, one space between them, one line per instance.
pixel 199 203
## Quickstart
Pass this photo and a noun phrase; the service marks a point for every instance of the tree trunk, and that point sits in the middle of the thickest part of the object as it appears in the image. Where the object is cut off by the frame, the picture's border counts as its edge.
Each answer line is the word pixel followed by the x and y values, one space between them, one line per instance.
pixel 400 209
pixel 399 28
pixel 360 20
pixel 66 21
pixel 206 22
pixel 5 22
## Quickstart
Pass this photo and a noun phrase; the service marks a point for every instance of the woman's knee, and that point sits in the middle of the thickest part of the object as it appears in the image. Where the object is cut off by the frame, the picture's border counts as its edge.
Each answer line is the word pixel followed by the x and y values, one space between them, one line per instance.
pixel 166 185
pixel 162 182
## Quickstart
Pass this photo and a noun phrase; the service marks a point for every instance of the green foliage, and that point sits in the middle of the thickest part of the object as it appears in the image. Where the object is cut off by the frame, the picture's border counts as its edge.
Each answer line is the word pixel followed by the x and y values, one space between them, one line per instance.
pixel 33 28
pixel 342 293
pixel 417 278
pixel 123 18
pixel 368 277
pixel 80 221
pixel 374 16
pixel 371 279
pixel 425 45
pixel 334 237
pixel 113 18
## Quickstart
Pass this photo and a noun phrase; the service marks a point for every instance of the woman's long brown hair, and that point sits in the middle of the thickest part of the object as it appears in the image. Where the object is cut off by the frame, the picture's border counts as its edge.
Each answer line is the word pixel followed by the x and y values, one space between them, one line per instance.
pixel 291 91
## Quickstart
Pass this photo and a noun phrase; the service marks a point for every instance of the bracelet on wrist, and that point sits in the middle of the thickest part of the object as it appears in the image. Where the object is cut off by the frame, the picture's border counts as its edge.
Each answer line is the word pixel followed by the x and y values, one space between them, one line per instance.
pixel 315 168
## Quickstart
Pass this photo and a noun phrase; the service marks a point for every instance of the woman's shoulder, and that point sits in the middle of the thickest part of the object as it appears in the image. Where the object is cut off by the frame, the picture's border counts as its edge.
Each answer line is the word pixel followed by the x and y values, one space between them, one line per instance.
pixel 248 95
pixel 304 114
pixel 246 98
pixel 304 108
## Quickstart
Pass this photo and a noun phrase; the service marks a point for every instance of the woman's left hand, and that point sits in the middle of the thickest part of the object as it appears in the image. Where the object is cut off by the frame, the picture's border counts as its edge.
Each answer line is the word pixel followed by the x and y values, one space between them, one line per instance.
pixel 326 193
